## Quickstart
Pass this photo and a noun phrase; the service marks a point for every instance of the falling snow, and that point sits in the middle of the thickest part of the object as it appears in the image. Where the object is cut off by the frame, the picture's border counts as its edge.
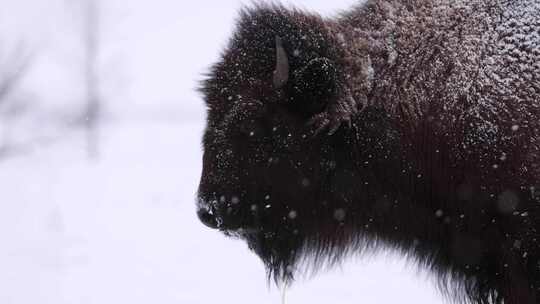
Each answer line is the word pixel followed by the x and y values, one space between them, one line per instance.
pixel 339 214
pixel 292 214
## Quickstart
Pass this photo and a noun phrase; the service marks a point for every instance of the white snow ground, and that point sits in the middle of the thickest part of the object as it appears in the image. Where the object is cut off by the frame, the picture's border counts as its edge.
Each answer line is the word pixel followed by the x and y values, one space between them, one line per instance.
pixel 124 230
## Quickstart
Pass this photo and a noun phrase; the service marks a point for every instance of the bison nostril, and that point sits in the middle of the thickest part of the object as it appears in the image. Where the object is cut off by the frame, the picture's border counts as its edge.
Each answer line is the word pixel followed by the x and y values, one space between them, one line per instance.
pixel 207 218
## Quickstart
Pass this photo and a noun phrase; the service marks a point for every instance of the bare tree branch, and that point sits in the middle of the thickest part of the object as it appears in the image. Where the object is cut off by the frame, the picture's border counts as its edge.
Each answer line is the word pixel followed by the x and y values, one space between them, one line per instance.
pixel 13 66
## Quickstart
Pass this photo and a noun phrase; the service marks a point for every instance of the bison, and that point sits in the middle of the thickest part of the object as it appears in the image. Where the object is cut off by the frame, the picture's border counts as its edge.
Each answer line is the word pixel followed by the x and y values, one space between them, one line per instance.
pixel 406 125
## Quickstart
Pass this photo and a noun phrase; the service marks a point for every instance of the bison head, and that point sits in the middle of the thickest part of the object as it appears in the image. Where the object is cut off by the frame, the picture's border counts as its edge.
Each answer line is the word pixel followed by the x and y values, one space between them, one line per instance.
pixel 279 123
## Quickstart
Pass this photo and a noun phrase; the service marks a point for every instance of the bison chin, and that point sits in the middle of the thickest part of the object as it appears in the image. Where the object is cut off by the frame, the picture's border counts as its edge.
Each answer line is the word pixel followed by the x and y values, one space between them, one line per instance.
pixel 280 252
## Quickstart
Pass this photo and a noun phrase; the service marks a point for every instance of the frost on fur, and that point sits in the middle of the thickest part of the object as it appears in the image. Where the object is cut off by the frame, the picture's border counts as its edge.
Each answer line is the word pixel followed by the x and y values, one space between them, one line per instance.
pixel 404 125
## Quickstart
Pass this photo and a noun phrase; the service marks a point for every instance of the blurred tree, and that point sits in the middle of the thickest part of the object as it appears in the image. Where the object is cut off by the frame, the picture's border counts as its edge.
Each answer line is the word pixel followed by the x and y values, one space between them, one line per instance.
pixel 87 18
pixel 14 63
pixel 97 63
pixel 91 44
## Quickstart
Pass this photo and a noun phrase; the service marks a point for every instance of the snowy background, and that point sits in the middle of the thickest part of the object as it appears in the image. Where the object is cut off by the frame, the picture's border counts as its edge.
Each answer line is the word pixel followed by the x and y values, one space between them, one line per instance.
pixel 121 227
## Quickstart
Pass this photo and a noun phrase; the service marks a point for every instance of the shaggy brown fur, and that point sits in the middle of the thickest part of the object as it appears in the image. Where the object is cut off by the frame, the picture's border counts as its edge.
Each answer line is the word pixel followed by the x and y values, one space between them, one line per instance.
pixel 412 125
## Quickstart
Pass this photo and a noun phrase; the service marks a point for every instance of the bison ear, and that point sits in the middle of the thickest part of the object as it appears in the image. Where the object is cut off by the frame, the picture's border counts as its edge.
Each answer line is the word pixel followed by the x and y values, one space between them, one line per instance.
pixel 281 72
pixel 314 86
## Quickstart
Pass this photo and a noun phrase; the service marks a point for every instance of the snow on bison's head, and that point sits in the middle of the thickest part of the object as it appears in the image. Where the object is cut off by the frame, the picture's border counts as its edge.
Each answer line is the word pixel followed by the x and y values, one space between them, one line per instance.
pixel 268 169
pixel 389 125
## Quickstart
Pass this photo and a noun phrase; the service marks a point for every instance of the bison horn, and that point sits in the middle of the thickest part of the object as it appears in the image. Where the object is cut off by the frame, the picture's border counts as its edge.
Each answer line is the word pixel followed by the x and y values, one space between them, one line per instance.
pixel 281 73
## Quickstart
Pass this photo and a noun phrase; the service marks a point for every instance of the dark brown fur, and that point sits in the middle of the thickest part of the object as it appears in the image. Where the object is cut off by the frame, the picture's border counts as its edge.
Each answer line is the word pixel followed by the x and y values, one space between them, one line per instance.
pixel 436 153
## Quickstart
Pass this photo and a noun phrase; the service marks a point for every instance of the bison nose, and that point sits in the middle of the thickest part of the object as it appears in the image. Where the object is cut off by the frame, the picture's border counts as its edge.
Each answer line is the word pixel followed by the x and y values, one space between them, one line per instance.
pixel 207 218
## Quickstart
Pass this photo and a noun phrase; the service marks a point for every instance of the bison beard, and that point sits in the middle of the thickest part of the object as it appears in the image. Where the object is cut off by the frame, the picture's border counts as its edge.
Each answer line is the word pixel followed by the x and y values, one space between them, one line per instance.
pixel 410 125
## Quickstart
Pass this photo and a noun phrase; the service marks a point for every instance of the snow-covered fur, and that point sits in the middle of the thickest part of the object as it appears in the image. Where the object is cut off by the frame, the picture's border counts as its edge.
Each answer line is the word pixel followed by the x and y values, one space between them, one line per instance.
pixel 412 125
